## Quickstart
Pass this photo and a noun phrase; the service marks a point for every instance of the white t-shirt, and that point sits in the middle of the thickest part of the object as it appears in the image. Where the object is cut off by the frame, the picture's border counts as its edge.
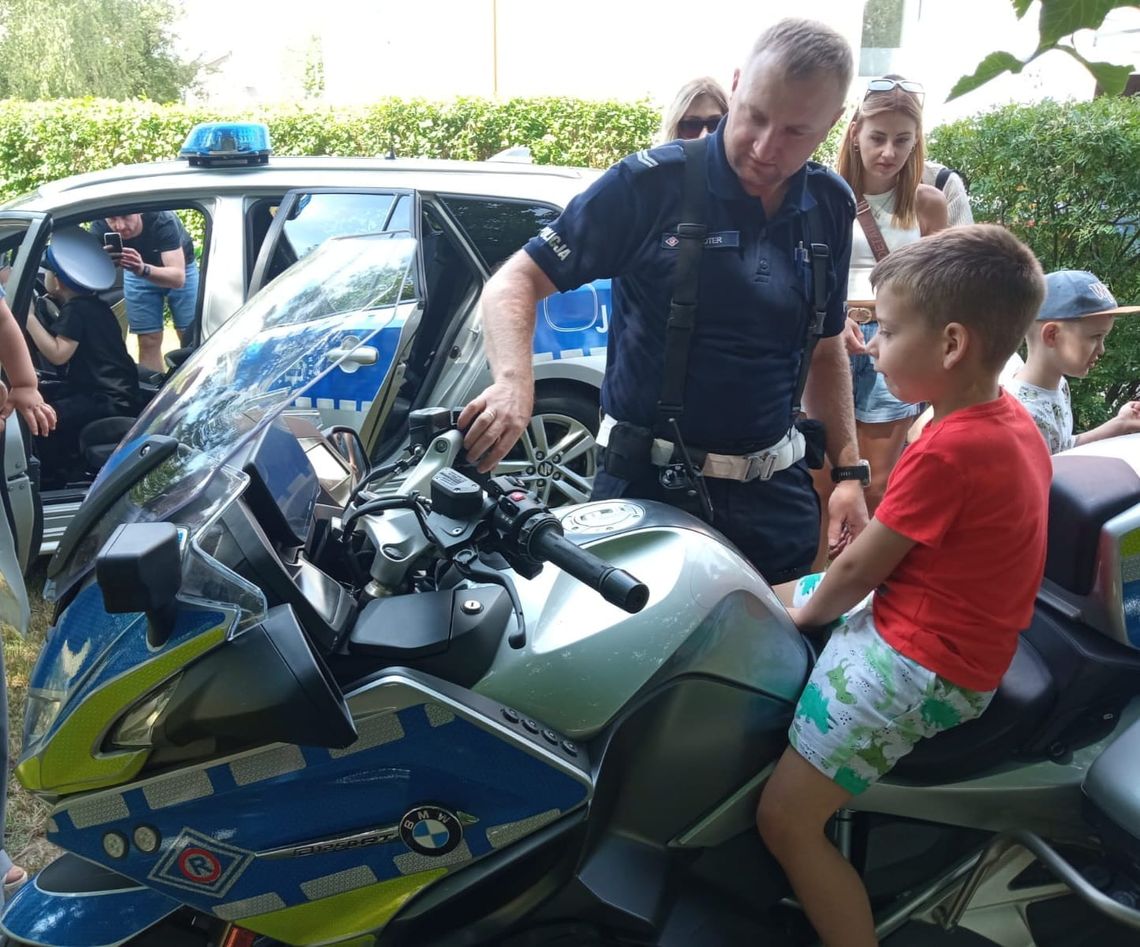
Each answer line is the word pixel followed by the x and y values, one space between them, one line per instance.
pixel 1050 409
pixel 862 256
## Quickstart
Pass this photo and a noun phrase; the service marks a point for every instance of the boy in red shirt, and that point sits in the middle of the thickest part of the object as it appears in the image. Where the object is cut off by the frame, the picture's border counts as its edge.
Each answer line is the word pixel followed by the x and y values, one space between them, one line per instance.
pixel 954 556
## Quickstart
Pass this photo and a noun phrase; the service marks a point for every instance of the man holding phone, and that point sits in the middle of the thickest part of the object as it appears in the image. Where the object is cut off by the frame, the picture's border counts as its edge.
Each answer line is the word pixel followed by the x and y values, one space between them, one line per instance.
pixel 157 257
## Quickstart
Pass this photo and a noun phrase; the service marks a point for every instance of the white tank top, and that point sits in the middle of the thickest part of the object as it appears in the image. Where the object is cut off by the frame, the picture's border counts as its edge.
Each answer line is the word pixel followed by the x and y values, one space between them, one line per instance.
pixel 862 259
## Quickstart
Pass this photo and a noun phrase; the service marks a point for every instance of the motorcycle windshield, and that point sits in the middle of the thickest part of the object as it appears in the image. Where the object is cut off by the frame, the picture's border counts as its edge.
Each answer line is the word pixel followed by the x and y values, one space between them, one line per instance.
pixel 270 353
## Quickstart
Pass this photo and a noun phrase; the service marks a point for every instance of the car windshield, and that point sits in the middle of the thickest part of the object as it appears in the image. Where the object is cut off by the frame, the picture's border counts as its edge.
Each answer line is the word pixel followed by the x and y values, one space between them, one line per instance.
pixel 269 354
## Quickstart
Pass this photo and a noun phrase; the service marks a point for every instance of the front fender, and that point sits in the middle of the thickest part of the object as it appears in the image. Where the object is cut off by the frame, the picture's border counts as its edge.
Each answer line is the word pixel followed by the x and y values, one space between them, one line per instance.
pixel 76 903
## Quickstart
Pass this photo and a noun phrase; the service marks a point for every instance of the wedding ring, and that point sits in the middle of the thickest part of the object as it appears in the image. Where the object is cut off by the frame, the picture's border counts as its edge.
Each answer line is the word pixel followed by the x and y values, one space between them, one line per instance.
pixel 489 414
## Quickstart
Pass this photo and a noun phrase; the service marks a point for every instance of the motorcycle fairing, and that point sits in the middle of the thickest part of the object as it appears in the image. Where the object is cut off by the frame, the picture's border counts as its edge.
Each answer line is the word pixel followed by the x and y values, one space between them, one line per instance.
pixel 709 612
pixel 90 907
pixel 421 744
pixel 94 667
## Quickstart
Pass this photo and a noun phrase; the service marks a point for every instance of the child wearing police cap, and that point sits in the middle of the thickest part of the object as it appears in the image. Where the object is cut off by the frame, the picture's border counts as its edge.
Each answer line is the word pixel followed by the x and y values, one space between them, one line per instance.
pixel 102 380
pixel 1065 341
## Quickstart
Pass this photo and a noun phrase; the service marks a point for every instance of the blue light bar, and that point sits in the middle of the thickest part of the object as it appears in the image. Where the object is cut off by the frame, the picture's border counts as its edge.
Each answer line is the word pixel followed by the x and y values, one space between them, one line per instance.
pixel 227 143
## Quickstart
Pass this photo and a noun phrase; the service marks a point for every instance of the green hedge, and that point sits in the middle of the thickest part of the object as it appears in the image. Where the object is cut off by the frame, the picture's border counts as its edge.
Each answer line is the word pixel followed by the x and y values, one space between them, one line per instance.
pixel 1066 179
pixel 42 141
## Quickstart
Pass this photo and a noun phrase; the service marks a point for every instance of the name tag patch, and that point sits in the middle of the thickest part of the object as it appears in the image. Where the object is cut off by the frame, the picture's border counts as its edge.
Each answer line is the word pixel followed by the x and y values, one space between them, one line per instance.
pixel 713 241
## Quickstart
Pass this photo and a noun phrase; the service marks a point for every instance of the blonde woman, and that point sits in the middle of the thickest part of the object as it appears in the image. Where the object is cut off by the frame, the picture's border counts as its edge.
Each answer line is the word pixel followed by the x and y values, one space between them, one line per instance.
pixel 695 111
pixel 882 159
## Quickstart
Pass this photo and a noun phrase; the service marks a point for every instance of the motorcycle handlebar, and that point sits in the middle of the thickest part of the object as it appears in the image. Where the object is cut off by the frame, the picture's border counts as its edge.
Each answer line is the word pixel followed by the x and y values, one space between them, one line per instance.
pixel 615 585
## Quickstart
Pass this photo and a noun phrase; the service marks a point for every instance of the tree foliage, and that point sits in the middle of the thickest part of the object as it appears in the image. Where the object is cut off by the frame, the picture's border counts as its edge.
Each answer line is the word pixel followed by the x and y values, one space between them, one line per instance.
pixel 1058 20
pixel 1065 177
pixel 115 49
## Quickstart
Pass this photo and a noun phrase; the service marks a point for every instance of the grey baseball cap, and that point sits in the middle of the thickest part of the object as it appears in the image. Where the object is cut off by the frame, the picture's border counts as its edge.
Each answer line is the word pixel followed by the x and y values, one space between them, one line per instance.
pixel 1074 294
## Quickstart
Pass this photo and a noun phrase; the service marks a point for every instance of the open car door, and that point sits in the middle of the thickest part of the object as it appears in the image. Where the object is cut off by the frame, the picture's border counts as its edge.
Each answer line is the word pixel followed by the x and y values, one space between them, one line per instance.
pixel 303 221
pixel 23 236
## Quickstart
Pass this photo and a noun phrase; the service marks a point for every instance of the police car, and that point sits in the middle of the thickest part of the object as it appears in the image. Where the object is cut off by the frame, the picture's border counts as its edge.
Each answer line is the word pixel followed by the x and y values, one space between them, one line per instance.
pixel 254 215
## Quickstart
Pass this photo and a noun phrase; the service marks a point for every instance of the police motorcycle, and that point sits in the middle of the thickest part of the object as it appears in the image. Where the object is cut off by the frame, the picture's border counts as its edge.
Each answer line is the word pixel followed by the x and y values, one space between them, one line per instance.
pixel 281 705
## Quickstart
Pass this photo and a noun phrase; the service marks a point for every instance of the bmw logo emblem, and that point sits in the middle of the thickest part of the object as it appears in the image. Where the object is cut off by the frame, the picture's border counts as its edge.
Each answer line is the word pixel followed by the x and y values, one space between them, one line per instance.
pixel 431 831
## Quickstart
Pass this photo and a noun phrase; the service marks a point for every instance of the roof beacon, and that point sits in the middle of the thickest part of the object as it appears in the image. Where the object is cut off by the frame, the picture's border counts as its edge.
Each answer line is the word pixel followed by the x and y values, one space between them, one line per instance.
pixel 221 144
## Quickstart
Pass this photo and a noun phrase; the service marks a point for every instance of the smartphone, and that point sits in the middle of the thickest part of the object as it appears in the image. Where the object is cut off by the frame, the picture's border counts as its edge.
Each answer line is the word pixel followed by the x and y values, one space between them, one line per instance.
pixel 113 242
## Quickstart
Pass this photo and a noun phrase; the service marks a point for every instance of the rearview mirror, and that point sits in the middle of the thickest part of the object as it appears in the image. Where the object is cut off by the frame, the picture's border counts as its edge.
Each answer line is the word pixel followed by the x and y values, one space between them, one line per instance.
pixel 346 441
pixel 139 569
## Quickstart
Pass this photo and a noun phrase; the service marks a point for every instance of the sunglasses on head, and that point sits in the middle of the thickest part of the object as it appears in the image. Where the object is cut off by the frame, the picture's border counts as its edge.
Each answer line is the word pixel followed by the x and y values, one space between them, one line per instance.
pixel 886 85
pixel 691 127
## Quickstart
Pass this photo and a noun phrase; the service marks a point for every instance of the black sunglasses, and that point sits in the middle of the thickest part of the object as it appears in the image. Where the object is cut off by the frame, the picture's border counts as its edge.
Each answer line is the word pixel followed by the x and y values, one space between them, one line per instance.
pixel 691 127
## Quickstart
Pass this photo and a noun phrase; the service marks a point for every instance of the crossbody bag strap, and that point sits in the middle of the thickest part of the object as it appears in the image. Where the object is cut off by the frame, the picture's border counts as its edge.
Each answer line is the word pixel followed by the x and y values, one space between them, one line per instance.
pixel 820 254
pixel 691 233
pixel 871 229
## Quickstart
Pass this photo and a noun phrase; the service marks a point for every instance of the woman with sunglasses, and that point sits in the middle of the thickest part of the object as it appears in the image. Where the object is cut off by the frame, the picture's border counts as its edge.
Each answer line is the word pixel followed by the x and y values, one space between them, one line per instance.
pixel 696 110
pixel 882 159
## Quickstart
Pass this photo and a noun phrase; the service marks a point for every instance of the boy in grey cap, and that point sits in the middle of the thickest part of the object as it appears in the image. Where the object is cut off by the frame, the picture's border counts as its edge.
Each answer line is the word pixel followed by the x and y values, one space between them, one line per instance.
pixel 1067 340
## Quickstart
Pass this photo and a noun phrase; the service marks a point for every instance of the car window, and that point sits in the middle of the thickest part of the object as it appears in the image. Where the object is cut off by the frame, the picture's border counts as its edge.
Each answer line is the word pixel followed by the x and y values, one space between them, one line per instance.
pixel 316 217
pixel 498 227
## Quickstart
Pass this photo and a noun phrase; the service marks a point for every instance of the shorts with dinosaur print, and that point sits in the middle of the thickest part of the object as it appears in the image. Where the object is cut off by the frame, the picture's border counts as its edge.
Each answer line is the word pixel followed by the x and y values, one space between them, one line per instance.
pixel 866 705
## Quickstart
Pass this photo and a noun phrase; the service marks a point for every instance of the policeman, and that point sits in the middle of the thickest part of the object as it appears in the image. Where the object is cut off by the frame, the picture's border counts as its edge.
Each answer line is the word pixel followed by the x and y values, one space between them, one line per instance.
pixel 764 207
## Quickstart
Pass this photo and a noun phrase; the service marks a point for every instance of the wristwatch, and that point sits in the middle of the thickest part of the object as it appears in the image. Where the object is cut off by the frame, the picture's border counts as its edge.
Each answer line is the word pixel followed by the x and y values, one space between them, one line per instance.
pixel 860 471
pixel 145 271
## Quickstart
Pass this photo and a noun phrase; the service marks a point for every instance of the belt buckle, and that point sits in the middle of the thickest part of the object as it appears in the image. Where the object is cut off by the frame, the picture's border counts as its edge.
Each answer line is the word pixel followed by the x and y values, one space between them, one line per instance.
pixel 760 466
pixel 861 314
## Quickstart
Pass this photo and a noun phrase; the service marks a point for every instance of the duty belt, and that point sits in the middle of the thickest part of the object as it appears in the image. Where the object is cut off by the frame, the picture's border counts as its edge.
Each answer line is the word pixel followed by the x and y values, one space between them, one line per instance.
pixel 761 464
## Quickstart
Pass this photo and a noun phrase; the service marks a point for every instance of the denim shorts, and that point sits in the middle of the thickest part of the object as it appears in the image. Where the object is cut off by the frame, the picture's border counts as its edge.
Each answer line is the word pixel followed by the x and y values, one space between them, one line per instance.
pixel 145 301
pixel 866 706
pixel 874 404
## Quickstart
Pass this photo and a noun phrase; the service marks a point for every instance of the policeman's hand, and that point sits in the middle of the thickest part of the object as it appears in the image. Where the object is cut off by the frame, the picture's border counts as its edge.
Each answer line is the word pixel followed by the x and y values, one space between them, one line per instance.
pixel 847 510
pixel 27 399
pixel 129 259
pixel 853 338
pixel 493 421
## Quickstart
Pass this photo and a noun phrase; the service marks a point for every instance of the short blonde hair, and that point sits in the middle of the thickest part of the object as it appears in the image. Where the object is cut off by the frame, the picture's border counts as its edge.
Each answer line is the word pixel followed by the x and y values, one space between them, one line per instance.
pixel 980 275
pixel 806 48
pixel 686 95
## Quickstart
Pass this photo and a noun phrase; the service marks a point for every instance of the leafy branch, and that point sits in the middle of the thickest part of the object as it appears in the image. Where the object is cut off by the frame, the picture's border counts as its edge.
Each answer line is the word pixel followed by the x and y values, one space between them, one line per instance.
pixel 1058 19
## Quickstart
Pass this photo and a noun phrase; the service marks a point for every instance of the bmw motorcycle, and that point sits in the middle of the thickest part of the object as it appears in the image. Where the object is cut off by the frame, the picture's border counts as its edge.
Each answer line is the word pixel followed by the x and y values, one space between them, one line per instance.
pixel 291 700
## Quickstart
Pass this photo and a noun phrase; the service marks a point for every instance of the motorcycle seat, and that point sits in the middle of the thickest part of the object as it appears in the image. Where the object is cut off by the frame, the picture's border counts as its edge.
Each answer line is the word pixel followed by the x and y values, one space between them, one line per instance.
pixel 1023 699
pixel 1086 493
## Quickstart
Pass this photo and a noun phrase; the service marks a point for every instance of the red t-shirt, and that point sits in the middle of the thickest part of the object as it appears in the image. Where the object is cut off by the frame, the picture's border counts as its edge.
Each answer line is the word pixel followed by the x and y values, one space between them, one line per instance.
pixel 973 494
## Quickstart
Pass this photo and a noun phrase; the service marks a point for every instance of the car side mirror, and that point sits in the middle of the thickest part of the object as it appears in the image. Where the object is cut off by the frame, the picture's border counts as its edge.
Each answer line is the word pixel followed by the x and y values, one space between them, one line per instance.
pixel 346 442
pixel 139 569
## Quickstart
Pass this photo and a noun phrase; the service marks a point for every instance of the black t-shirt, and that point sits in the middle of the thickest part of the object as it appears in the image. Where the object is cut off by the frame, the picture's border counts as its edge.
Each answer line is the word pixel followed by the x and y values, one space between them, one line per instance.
pixel 161 231
pixel 101 363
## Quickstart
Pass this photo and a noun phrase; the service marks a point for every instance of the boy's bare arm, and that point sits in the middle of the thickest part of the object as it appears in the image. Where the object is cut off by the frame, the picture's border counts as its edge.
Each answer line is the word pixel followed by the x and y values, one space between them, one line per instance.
pixel 1127 421
pixel 861 568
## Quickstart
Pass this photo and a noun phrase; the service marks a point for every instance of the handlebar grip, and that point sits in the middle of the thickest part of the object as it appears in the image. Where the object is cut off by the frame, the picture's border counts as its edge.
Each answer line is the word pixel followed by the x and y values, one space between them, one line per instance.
pixel 615 585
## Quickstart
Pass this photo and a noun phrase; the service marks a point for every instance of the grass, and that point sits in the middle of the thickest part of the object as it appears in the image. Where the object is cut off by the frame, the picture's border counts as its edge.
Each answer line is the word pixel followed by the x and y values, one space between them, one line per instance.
pixel 26 814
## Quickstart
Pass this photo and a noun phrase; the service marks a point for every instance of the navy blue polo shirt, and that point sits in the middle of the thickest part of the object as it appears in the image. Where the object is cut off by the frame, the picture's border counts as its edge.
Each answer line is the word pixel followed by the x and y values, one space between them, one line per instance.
pixel 755 291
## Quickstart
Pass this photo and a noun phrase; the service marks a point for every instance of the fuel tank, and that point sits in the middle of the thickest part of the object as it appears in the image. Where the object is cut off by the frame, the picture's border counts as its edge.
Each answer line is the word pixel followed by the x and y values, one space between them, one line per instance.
pixel 709 614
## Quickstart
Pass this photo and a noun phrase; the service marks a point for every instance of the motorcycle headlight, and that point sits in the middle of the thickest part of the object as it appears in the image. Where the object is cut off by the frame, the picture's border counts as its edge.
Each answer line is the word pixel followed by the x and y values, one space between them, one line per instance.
pixel 135 729
pixel 39 714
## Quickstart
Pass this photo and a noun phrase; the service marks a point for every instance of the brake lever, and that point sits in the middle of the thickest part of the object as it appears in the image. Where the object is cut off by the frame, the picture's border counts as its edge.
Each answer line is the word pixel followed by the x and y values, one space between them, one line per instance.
pixel 469 566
